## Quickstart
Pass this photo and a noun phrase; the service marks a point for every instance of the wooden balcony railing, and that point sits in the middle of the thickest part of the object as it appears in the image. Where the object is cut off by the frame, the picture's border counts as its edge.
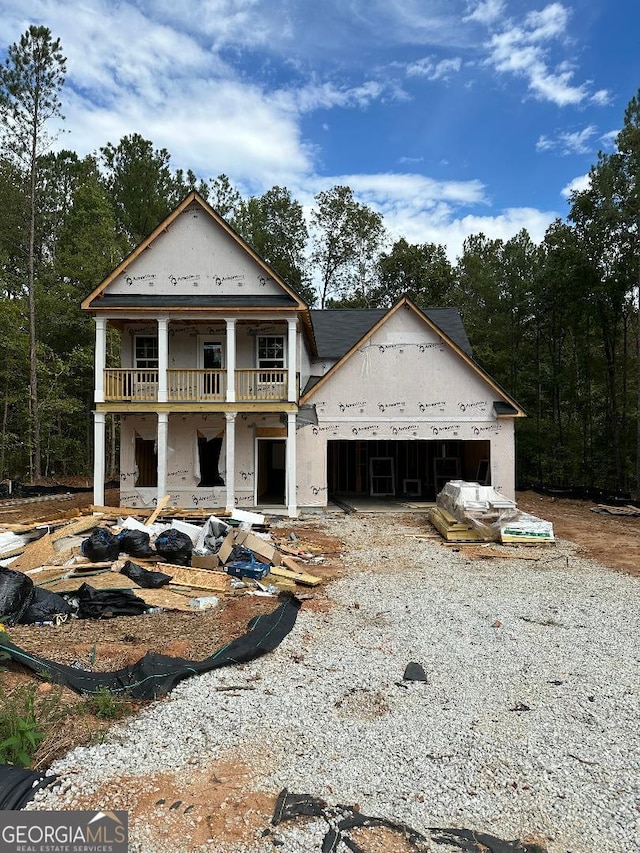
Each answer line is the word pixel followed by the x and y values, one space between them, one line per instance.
pixel 136 385
pixel 187 385
pixel 197 384
pixel 261 384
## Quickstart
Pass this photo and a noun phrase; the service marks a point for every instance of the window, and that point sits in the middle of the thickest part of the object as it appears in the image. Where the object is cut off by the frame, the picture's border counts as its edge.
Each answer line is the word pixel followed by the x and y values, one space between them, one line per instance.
pixel 209 456
pixel 271 352
pixel 146 455
pixel 146 353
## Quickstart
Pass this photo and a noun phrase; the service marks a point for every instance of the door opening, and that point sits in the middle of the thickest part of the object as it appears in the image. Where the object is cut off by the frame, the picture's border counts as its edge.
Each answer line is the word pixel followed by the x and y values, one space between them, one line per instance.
pixel 271 458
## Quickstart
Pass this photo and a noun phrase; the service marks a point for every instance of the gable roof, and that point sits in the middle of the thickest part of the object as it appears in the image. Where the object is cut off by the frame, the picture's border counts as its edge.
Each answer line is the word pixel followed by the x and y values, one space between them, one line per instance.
pixel 97 299
pixel 338 330
pixel 458 346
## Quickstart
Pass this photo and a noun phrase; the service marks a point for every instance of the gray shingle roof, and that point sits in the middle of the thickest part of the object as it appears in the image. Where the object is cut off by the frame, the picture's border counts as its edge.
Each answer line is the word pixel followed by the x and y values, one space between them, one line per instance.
pixel 338 330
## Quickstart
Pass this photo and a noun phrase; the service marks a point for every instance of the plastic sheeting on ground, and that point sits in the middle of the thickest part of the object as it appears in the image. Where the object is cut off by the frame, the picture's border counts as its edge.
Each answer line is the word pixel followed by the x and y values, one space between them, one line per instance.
pixel 341 819
pixel 18 786
pixel 155 674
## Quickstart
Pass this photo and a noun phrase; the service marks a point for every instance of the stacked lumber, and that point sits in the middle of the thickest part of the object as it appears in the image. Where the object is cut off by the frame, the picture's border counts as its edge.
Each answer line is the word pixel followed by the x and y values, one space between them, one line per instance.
pixel 450 528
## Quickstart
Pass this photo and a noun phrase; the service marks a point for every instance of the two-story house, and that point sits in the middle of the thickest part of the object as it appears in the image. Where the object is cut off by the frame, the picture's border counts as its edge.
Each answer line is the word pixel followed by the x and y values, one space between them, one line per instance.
pixel 231 392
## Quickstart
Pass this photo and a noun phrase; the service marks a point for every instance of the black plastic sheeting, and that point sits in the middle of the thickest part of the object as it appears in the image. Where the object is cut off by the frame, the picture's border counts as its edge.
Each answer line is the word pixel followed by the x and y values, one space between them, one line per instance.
pixel 584 493
pixel 156 675
pixel 340 819
pixel 18 786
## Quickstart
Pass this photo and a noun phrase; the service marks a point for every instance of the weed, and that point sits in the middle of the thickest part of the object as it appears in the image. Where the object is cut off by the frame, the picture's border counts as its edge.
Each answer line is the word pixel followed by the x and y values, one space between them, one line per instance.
pixel 20 731
pixel 104 705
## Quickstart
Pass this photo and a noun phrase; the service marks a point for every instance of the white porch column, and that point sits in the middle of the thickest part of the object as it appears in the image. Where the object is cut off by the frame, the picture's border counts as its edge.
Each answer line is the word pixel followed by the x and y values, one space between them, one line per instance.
pixel 292 502
pixel 98 457
pixel 230 437
pixel 100 359
pixel 291 360
pixel 231 361
pixel 163 429
pixel 163 359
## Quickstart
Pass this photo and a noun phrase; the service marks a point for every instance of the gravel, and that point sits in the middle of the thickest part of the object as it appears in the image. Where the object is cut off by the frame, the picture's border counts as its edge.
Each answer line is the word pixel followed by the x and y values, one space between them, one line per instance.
pixel 526 726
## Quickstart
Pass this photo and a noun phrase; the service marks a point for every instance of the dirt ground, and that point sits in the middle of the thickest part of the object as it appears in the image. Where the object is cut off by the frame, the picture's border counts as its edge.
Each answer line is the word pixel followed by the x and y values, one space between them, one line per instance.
pixel 219 803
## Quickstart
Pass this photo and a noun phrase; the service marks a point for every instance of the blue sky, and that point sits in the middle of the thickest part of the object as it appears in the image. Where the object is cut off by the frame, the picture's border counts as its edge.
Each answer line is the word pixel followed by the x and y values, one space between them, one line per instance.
pixel 449 117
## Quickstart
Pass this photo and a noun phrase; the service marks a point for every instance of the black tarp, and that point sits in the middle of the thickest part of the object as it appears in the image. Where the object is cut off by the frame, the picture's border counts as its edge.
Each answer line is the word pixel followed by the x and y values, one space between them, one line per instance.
pixel 17 786
pixel 340 819
pixel 155 674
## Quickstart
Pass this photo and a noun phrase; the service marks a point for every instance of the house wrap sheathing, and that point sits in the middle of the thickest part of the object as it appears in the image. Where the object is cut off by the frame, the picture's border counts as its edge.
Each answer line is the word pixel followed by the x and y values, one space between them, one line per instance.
pixel 231 392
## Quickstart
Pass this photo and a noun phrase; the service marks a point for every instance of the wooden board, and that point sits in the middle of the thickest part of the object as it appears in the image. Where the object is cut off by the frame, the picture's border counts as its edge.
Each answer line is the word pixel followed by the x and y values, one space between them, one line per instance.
pixel 165 500
pixel 299 577
pixel 35 554
pixel 450 528
pixel 75 527
pixel 197 578
pixel 166 599
pixel 104 580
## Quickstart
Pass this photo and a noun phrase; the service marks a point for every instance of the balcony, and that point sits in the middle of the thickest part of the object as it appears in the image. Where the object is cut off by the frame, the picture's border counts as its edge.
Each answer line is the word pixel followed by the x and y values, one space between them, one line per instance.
pixel 194 386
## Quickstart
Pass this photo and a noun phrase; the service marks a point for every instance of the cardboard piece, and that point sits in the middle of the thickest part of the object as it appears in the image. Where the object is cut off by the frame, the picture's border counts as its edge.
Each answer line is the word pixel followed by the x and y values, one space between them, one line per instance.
pixel 260 547
pixel 205 561
pixel 226 548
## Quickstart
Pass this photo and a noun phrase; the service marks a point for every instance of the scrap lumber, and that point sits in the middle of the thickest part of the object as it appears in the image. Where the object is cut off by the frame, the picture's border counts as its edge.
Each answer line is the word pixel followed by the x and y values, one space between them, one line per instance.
pixel 299 577
pixel 12 552
pixel 283 584
pixel 629 509
pixel 104 579
pixel 165 500
pixel 166 599
pixel 197 578
pixel 81 525
pixel 35 554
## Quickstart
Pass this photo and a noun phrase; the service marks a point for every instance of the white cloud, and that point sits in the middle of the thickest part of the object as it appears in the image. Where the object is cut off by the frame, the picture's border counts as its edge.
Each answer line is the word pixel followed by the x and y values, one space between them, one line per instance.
pixel 423 210
pixel 486 12
pixel 433 70
pixel 610 138
pixel 577 185
pixel 601 98
pixel 523 50
pixel 568 143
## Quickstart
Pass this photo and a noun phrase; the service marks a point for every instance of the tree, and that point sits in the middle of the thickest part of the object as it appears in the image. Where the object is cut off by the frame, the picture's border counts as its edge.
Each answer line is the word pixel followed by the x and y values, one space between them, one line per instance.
pixel 274 225
pixel 604 231
pixel 347 237
pixel 422 272
pixel 30 80
pixel 224 198
pixel 628 142
pixel 141 185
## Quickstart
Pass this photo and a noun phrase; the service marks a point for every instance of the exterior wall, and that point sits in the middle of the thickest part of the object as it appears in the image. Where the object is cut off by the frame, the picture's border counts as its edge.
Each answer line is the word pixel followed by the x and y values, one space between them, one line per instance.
pixel 182 461
pixel 199 257
pixel 184 342
pixel 403 383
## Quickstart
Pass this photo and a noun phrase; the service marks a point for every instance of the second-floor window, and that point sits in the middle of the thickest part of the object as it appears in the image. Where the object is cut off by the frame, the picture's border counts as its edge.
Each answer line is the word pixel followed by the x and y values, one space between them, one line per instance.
pixel 271 355
pixel 146 353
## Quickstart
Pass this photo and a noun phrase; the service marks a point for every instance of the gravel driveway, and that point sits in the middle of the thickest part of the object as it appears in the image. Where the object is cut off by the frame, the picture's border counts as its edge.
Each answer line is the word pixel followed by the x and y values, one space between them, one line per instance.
pixel 527 726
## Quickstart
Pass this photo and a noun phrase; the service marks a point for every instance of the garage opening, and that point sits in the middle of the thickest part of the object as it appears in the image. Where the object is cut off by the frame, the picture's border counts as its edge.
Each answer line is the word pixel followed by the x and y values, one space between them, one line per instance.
pixel 404 469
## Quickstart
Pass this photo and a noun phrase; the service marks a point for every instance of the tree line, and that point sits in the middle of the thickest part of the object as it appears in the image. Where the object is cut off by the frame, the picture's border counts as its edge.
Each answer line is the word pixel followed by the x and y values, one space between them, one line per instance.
pixel 557 324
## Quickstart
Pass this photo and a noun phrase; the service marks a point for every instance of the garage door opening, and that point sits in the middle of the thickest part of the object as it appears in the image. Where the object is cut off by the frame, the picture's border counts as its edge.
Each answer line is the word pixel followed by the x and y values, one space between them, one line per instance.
pixel 404 469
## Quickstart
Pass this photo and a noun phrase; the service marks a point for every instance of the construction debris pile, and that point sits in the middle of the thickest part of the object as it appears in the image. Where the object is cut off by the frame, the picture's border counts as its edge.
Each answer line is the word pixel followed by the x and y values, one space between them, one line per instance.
pixel 469 512
pixel 111 563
